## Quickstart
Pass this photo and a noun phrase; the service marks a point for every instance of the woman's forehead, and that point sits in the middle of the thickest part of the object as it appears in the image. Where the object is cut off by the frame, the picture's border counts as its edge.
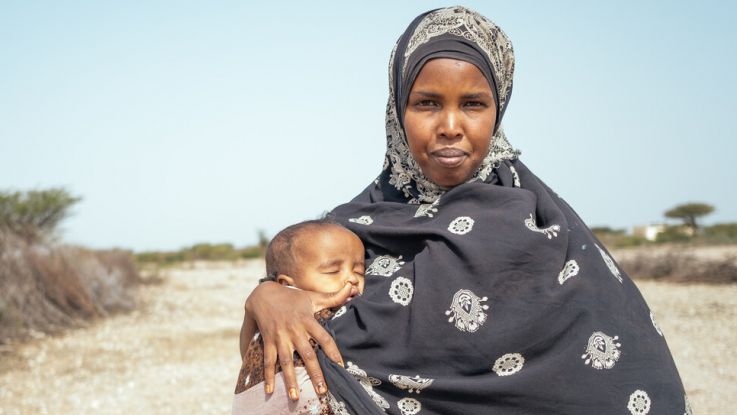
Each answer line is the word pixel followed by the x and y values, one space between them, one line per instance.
pixel 444 73
pixel 453 32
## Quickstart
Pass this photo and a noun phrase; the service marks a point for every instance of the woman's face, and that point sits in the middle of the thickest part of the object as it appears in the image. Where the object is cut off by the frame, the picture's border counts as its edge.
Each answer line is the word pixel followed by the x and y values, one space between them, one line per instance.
pixel 449 120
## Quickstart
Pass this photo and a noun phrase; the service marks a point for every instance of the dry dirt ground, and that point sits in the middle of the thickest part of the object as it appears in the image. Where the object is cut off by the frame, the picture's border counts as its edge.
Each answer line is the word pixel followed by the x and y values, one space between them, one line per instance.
pixel 178 353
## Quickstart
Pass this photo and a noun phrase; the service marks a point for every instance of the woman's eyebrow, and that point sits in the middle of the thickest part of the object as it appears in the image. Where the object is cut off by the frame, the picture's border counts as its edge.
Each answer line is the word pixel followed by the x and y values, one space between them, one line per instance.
pixel 476 95
pixel 470 95
pixel 427 94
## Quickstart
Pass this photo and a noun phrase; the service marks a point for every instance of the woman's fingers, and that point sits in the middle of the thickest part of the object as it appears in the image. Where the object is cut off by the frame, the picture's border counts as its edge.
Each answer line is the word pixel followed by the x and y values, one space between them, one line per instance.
pixel 326 342
pixel 269 366
pixel 285 319
pixel 312 366
pixel 321 301
pixel 286 361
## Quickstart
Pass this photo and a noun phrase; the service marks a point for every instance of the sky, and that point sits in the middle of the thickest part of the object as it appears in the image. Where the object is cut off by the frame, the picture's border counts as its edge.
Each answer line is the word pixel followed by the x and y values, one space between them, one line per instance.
pixel 185 122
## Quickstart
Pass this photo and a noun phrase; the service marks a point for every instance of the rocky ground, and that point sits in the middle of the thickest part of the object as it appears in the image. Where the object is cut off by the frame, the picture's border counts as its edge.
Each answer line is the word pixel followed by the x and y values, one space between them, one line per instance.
pixel 177 354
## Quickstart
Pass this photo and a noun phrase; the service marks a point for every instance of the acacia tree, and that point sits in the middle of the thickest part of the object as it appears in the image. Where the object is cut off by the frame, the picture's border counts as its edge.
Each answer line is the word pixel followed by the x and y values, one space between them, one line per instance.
pixel 688 212
pixel 35 213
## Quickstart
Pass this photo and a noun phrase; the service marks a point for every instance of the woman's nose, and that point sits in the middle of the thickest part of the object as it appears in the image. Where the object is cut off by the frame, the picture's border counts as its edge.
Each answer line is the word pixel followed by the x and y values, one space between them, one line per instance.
pixel 450 125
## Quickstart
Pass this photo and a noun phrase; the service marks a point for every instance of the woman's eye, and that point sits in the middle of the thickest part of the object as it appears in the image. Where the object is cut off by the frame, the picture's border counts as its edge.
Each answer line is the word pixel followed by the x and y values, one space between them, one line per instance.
pixel 426 103
pixel 478 104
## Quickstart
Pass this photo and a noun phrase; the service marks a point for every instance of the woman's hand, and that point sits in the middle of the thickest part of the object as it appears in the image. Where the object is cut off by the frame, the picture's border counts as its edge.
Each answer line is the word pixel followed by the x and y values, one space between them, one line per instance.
pixel 285 318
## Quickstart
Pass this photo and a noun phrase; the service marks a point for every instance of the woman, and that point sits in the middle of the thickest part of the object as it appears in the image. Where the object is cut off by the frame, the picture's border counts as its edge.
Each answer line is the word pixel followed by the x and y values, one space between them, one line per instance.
pixel 485 292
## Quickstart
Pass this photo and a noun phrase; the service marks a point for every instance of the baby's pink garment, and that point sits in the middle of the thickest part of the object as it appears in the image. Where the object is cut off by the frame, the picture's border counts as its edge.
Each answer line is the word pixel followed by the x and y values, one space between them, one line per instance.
pixel 254 401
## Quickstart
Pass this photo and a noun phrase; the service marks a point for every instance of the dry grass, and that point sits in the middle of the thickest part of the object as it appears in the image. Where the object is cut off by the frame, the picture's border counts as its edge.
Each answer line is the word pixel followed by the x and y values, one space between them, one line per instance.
pixel 682 264
pixel 176 353
pixel 45 288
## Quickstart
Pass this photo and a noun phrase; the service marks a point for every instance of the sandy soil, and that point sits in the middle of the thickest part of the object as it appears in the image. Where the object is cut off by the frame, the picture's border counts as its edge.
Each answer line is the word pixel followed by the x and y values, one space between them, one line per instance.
pixel 178 353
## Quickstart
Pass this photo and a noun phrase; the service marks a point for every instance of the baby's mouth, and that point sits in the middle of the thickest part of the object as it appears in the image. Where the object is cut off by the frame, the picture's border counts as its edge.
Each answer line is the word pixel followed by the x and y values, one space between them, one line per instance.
pixel 449 157
pixel 354 293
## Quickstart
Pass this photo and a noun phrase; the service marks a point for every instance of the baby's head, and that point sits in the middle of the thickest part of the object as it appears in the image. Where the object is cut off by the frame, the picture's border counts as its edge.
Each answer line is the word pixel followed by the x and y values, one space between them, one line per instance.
pixel 316 255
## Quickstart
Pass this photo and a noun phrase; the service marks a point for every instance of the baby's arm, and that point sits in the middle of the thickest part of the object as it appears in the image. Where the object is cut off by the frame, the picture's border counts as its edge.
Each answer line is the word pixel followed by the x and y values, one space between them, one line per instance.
pixel 248 330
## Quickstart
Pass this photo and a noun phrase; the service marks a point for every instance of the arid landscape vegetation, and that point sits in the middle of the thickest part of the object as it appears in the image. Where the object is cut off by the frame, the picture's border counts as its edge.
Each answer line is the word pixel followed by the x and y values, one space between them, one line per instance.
pixel 110 332
pixel 177 351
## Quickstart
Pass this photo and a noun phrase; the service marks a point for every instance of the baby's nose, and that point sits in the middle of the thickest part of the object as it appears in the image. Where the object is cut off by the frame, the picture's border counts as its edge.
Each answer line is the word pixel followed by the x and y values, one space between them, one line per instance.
pixel 352 278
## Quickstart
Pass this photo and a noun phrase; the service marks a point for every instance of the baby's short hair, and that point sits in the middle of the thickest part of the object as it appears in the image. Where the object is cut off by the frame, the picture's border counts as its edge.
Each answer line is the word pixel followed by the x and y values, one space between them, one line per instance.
pixel 280 251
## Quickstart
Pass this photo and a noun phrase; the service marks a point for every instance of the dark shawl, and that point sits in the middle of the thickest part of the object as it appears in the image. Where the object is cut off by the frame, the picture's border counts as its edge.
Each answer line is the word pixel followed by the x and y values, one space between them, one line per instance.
pixel 492 297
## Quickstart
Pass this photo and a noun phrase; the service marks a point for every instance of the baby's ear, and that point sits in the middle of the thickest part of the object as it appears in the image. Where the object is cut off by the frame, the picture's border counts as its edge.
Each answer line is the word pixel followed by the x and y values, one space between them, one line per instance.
pixel 285 280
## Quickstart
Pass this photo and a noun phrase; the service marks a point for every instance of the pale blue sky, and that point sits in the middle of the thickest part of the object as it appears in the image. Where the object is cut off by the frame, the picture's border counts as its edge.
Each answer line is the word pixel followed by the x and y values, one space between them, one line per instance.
pixel 180 122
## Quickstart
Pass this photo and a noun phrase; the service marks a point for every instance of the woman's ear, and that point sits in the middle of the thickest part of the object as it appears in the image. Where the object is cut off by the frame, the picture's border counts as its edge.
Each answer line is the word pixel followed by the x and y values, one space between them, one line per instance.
pixel 285 280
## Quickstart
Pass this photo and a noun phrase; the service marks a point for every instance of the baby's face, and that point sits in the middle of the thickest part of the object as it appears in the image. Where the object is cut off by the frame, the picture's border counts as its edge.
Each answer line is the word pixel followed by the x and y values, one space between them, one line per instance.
pixel 328 258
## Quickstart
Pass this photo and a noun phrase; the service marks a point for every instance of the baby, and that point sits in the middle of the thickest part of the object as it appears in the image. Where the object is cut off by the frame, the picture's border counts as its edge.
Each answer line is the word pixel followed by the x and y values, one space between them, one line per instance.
pixel 315 255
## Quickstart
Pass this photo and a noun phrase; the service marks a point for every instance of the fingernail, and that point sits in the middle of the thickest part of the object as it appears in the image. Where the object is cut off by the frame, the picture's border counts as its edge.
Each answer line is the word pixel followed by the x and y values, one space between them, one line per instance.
pixel 341 364
pixel 293 394
pixel 321 389
pixel 268 388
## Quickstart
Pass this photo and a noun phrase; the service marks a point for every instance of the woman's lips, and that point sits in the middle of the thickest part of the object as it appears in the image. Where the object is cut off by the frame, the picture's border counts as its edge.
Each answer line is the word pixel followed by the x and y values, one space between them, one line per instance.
pixel 449 157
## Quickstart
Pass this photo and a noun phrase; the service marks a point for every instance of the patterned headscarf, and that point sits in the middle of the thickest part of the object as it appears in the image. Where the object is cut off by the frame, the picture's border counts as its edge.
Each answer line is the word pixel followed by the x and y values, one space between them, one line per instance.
pixel 492 297
pixel 457 33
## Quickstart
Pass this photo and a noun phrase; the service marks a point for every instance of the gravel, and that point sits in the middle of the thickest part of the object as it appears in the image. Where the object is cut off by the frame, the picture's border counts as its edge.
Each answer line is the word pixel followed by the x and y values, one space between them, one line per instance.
pixel 178 352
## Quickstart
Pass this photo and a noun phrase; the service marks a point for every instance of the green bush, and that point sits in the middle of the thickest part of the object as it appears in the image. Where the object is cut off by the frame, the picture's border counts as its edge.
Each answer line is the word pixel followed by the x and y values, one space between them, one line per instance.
pixel 205 251
pixel 200 252
pixel 34 214
pixel 606 231
pixel 617 238
pixel 721 233
pixel 673 234
pixel 252 252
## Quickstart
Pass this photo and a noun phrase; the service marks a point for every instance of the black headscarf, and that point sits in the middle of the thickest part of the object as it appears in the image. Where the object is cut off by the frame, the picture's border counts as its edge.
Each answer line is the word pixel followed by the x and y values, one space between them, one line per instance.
pixel 492 297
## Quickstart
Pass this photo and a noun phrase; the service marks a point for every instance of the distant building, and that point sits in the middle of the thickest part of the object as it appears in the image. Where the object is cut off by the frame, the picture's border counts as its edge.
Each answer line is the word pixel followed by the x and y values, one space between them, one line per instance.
pixel 649 232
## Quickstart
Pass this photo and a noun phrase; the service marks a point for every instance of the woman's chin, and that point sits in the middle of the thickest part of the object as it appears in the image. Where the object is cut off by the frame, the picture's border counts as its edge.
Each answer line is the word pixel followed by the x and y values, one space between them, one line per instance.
pixel 450 177
pixel 449 180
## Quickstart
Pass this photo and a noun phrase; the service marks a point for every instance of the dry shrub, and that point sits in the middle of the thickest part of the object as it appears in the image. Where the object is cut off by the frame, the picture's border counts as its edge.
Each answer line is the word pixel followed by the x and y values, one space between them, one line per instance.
pixel 680 265
pixel 45 288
